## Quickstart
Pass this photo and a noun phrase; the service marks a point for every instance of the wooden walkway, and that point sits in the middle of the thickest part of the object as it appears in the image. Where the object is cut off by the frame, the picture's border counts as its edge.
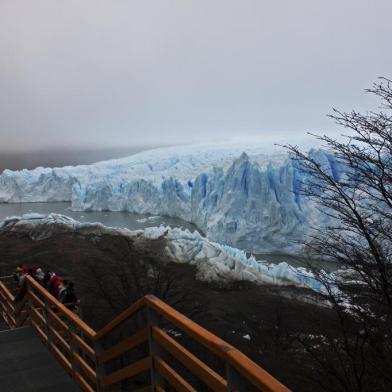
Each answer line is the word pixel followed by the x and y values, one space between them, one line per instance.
pixel 26 365
pixel 135 347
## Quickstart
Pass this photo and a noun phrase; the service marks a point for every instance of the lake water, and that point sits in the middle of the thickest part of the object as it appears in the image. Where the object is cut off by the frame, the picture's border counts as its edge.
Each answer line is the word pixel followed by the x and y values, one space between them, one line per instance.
pixel 134 221
pixel 297 261
pixel 108 218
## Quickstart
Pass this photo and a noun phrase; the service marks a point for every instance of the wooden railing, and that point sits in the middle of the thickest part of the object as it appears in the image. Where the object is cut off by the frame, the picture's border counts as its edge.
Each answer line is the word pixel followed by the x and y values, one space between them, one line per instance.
pixel 135 351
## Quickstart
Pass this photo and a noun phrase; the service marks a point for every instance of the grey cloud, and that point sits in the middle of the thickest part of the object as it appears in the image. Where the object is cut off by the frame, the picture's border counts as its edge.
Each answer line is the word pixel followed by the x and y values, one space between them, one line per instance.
pixel 114 73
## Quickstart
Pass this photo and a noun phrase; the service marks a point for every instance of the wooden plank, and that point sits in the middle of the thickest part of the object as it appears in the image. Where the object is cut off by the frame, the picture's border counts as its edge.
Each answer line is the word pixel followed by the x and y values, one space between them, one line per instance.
pixel 206 338
pixel 85 366
pixel 172 377
pixel 6 292
pixel 64 330
pixel 72 317
pixel 85 347
pixel 7 302
pixel 194 364
pixel 59 338
pixel 8 313
pixel 12 319
pixel 86 387
pixel 253 372
pixel 40 332
pixel 37 300
pixel 122 317
pixel 123 346
pixel 127 372
pixel 63 326
pixel 3 296
pixel 38 316
pixel 7 319
pixel 7 305
pixel 61 357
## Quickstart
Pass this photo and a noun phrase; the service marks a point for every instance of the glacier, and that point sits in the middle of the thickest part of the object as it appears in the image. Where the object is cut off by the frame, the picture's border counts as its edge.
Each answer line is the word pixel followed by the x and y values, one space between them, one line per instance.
pixel 245 196
pixel 214 262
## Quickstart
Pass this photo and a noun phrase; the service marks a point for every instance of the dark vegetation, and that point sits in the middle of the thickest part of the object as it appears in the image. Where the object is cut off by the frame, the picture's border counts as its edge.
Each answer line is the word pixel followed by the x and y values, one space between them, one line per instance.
pixel 111 272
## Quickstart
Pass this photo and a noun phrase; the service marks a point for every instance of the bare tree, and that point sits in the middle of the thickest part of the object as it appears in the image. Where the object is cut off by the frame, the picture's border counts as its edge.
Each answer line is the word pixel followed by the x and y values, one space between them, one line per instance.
pixel 358 236
pixel 132 269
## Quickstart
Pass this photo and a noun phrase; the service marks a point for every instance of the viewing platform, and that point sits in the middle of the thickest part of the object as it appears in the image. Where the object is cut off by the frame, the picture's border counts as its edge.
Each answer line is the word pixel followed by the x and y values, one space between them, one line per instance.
pixel 27 365
pixel 133 352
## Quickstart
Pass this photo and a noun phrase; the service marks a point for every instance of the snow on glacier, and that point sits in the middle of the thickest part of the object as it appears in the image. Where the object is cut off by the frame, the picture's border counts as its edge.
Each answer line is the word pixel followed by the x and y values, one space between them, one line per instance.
pixel 214 262
pixel 240 195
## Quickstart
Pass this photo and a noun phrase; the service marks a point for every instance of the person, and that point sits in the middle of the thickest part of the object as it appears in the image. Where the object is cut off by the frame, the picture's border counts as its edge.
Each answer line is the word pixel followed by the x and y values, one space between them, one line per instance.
pixel 69 298
pixel 19 271
pixel 63 289
pixel 25 271
pixel 54 285
pixel 46 279
pixel 32 270
pixel 39 275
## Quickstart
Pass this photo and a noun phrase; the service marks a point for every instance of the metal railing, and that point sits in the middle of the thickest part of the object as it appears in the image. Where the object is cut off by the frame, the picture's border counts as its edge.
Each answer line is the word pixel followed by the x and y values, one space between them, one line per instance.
pixel 109 359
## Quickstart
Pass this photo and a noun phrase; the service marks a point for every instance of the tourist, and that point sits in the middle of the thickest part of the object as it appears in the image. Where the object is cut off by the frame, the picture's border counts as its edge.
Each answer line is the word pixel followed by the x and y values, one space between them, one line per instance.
pixel 46 280
pixel 63 290
pixel 69 298
pixel 18 274
pixel 54 285
pixel 39 275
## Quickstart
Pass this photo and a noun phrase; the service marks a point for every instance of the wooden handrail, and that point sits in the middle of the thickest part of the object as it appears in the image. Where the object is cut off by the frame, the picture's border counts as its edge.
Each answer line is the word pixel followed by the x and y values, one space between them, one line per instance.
pixel 172 377
pixel 123 346
pixel 224 350
pixel 190 361
pixel 121 318
pixel 84 363
pixel 126 372
pixel 71 316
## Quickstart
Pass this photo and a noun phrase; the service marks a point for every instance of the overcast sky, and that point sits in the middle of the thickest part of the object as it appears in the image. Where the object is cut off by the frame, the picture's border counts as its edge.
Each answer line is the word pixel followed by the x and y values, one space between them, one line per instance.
pixel 122 73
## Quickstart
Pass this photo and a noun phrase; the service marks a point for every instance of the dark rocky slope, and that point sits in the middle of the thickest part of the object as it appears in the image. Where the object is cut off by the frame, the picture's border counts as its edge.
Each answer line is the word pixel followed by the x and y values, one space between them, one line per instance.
pixel 97 259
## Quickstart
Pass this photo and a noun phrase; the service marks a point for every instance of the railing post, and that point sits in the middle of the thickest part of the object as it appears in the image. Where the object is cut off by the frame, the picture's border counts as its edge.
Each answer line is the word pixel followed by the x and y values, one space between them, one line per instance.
pixel 152 320
pixel 100 368
pixel 17 314
pixel 73 347
pixel 30 303
pixel 48 321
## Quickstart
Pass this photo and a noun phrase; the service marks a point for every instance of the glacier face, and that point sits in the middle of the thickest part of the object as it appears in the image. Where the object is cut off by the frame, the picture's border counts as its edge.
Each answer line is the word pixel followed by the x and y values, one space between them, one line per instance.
pixel 238 195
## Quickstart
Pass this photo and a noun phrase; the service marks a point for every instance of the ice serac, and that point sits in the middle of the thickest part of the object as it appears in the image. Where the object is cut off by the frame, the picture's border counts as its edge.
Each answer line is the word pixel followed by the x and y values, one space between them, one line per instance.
pixel 41 184
pixel 238 195
pixel 248 204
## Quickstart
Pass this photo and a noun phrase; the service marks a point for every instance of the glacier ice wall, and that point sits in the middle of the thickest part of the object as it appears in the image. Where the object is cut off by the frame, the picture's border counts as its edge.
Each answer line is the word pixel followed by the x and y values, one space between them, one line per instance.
pixel 248 200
